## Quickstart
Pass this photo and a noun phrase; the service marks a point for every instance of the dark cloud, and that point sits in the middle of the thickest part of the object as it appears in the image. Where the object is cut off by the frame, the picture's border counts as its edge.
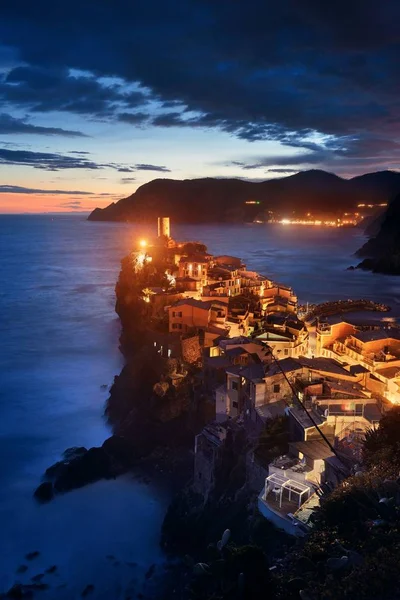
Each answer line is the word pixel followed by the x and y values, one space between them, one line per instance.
pixel 73 204
pixel 49 161
pixel 128 179
pixel 15 189
pixel 55 89
pixel 144 167
pixel 133 118
pixel 257 70
pixel 283 171
pixel 12 126
pixel 44 160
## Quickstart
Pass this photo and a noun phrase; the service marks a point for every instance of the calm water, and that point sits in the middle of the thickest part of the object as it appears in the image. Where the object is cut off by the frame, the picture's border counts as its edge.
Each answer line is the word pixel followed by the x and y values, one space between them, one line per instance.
pixel 59 345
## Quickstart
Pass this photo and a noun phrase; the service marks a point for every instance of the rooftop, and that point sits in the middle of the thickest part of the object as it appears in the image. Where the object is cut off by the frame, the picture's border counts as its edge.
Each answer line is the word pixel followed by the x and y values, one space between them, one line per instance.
pixel 373 336
pixel 254 373
pixel 199 303
pixel 303 418
pixel 328 365
pixel 286 365
pixel 389 372
pixel 313 449
pixel 196 258
pixel 271 410
pixel 276 336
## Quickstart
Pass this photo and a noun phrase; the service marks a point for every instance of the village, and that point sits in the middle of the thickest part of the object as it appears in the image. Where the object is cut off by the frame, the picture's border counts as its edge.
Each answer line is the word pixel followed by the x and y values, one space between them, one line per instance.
pixel 332 378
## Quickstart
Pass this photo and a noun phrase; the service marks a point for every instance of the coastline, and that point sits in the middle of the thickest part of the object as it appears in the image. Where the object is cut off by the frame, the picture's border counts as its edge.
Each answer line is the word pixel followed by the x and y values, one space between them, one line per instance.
pixel 132 407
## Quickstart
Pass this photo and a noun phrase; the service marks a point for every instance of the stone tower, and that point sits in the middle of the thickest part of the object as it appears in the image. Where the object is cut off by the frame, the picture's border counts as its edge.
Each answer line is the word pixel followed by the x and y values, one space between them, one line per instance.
pixel 163 227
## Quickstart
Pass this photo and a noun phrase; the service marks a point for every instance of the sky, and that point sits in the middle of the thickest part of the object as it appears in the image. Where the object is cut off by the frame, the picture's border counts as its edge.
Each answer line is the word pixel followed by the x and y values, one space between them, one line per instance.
pixel 98 97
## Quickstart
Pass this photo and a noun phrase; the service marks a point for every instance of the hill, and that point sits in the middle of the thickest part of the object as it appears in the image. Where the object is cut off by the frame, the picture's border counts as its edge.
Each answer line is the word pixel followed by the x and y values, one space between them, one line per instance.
pixel 224 200
pixel 382 252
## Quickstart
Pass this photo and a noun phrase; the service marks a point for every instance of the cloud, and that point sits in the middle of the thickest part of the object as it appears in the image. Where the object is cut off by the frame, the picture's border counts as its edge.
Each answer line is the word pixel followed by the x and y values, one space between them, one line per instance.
pixel 44 89
pixel 49 161
pixel 145 167
pixel 11 126
pixel 284 171
pixel 133 118
pixel 16 189
pixel 74 204
pixel 283 72
pixel 128 179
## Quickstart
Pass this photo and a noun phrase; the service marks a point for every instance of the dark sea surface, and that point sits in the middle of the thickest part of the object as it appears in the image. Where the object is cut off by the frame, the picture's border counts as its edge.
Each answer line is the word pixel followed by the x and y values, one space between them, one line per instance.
pixel 59 345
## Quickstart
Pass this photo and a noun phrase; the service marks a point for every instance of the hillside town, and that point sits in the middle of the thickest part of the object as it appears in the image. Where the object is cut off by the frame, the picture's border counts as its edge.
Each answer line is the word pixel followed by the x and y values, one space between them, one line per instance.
pixel 254 359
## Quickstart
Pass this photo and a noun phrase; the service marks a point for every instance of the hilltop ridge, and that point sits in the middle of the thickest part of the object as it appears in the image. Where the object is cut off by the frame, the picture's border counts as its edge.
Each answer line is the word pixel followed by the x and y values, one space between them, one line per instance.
pixel 226 200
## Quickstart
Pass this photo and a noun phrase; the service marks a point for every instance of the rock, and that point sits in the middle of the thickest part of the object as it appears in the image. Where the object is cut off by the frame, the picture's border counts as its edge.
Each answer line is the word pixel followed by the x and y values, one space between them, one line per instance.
pixel 22 569
pixel 88 590
pixel 52 569
pixel 74 452
pixel 91 466
pixel 69 456
pixel 150 572
pixel 45 492
pixel 32 555
pixel 120 450
pixel 19 591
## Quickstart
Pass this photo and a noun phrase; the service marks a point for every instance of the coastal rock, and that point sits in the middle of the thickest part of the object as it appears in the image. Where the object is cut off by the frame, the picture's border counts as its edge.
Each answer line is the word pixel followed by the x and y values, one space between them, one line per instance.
pixel 88 590
pixel 44 492
pixel 93 465
pixel 32 555
pixel 122 451
pixel 382 252
pixel 60 467
pixel 19 591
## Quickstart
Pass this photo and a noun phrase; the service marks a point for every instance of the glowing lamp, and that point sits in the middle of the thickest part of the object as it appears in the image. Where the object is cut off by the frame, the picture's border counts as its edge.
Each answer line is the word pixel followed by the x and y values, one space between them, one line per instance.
pixel 143 243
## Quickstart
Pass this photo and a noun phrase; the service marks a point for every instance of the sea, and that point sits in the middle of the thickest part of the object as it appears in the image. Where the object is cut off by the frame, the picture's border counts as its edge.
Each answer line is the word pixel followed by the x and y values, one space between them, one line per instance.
pixel 58 357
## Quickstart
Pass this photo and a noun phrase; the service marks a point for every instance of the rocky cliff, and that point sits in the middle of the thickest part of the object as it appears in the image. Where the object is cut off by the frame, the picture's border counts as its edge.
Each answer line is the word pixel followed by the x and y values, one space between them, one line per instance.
pixel 382 252
pixel 224 200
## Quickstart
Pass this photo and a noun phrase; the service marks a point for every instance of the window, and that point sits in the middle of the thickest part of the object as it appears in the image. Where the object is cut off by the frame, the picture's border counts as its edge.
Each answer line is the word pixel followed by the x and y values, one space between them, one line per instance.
pixel 286 351
pixel 176 325
pixel 277 388
pixel 234 404
pixel 234 385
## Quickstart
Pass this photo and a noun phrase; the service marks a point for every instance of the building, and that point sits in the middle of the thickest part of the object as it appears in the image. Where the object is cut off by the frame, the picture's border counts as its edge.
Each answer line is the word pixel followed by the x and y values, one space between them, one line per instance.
pixel 189 314
pixel 194 267
pixel 163 227
pixel 289 339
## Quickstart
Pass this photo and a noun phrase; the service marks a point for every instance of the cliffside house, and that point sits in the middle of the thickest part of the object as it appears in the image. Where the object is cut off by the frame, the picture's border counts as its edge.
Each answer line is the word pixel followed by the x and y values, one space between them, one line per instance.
pixel 289 339
pixel 188 314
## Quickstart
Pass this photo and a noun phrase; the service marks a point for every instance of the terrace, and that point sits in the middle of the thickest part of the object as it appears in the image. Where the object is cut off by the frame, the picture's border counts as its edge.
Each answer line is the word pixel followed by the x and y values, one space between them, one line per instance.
pixel 281 498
